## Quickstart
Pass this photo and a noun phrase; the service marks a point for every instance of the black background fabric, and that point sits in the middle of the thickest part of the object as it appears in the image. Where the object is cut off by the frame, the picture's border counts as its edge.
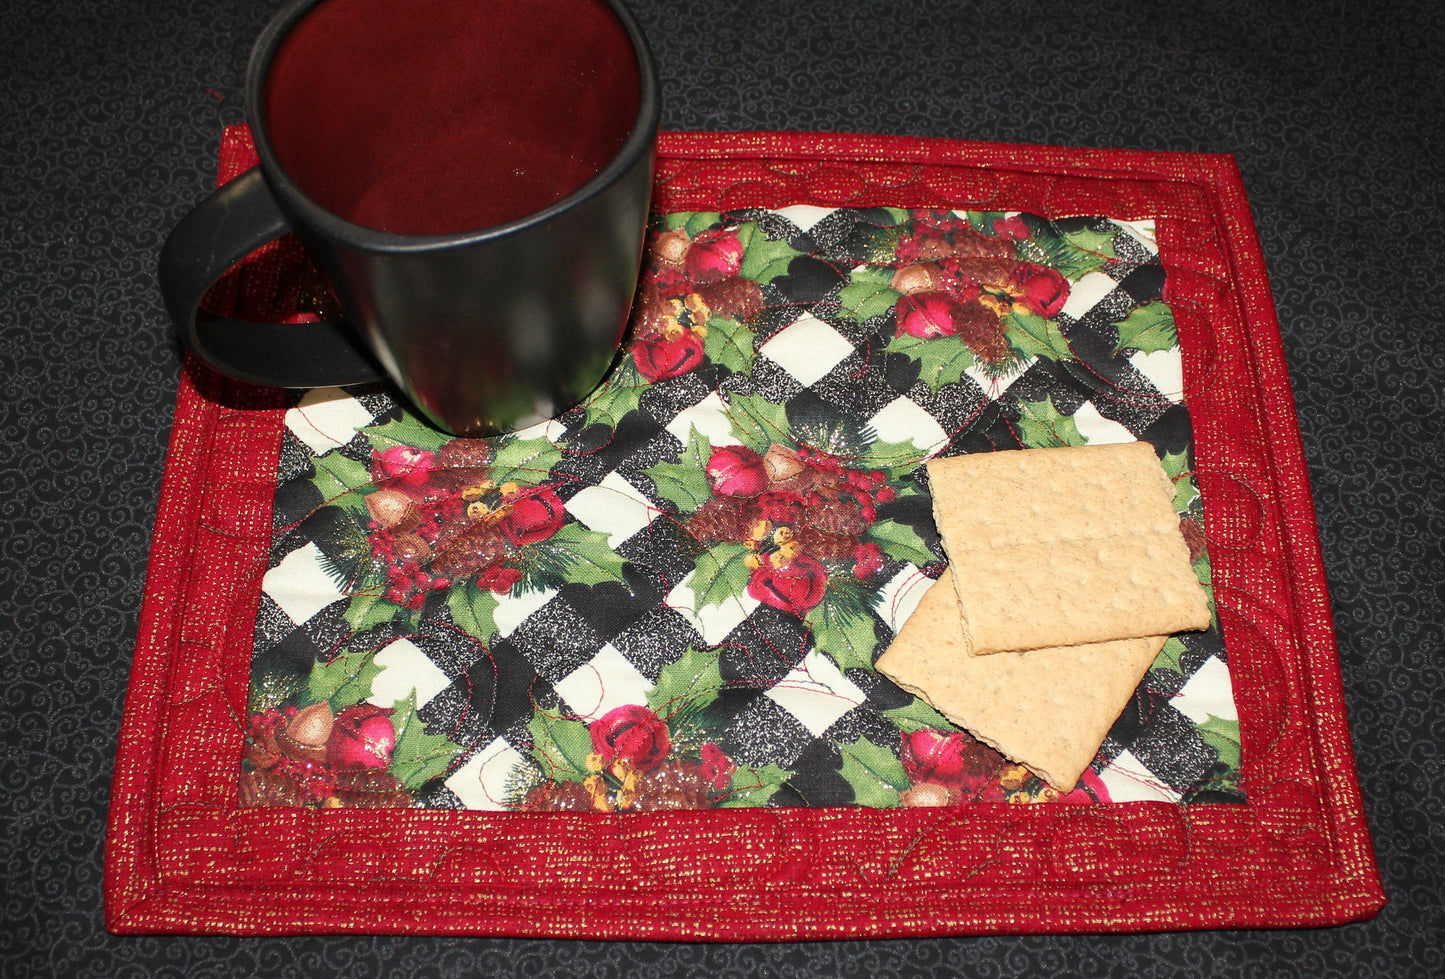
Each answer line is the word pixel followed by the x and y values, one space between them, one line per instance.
pixel 110 114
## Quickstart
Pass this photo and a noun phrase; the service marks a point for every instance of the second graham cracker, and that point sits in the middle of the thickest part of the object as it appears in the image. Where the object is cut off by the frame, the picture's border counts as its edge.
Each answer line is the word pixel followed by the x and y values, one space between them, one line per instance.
pixel 1047 709
pixel 1061 547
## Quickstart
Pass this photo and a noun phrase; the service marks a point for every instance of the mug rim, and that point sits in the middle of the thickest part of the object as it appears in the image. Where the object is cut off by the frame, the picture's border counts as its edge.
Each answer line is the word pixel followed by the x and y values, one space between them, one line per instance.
pixel 639 144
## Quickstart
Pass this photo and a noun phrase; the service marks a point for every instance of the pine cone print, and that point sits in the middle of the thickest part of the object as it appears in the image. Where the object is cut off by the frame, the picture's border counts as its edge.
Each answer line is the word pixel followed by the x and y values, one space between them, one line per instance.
pixel 1193 530
pixel 825 546
pixel 968 243
pixel 722 518
pixel 558 797
pixel 675 784
pixel 838 515
pixel 370 790
pixel 990 272
pixel 269 788
pixel 461 463
pixel 737 298
pixel 463 550
pixel 983 331
pixel 653 311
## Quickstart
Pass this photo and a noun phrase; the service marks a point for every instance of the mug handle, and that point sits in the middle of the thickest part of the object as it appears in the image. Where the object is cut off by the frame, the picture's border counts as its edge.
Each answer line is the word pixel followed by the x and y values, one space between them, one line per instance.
pixel 225 227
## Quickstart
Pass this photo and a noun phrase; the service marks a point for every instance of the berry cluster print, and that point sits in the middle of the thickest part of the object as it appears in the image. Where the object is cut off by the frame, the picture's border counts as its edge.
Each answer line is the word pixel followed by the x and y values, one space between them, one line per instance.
pixel 673 595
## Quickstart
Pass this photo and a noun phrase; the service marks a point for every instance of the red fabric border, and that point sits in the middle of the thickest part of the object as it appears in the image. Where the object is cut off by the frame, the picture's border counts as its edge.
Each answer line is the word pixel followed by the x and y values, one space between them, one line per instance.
pixel 182 857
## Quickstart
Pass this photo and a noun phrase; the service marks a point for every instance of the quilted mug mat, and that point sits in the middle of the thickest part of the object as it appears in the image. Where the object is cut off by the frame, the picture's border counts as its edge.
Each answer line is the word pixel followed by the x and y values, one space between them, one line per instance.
pixel 180 833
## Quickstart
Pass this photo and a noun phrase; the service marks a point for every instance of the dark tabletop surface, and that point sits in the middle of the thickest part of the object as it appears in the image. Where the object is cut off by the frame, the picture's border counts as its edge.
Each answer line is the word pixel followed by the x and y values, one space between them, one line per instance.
pixel 110 116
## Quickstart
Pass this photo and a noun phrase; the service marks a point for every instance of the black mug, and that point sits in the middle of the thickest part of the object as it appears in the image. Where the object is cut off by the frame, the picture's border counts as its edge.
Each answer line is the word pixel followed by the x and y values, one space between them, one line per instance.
pixel 472 178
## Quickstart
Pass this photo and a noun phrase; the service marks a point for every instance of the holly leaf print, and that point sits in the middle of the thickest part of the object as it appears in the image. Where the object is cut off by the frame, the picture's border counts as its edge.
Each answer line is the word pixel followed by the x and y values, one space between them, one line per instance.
pixel 473 609
pixel 1204 571
pixel 406 430
pixel 524 461
pixel 1096 241
pixel 1223 736
pixel 686 685
pixel 693 222
pixel 1171 656
pixel 844 631
pixel 1148 329
pixel 619 395
pixel 901 542
pixel 941 360
pixel 337 477
pixel 574 555
pixel 344 680
pixel 918 715
pixel 763 260
pixel 418 757
pixel 756 419
pixel 1041 426
pixel 983 221
pixel 685 482
pixel 874 772
pixel 897 459
pixel 563 745
pixel 1033 336
pixel 754 786
pixel 868 292
pixel 1074 254
pixel 1175 464
pixel 721 575
pixel 1185 491
pixel 368 609
pixel 728 344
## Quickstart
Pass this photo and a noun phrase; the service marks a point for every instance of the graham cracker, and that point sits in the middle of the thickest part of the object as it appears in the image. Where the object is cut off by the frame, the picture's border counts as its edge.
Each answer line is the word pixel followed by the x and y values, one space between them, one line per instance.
pixel 1061 547
pixel 1047 709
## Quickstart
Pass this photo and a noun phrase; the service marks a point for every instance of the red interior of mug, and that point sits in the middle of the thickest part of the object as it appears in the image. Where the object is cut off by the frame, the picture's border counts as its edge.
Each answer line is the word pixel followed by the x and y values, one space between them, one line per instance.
pixel 447 116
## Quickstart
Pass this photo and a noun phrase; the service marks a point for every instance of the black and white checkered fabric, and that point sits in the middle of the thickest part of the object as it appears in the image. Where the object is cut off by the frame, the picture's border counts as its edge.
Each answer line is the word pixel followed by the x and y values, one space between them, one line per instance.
pixel 588 649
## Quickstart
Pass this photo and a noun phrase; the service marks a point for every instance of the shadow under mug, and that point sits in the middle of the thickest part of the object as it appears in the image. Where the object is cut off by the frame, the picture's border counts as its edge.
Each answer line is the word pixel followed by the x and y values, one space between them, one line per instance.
pixel 472 178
